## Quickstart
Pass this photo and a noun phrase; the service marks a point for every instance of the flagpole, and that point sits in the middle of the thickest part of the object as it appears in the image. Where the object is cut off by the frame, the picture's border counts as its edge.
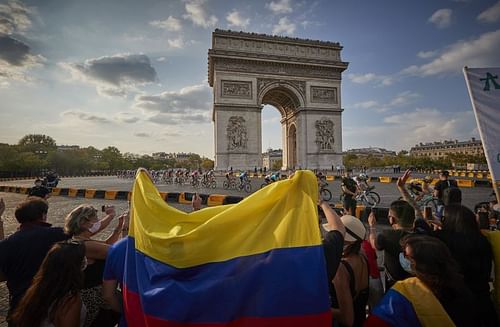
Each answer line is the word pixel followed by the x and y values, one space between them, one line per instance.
pixel 493 181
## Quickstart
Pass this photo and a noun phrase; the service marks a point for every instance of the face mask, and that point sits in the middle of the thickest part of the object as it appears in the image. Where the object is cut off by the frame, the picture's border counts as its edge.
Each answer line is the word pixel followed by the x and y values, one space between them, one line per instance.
pixel 405 263
pixel 84 263
pixel 95 227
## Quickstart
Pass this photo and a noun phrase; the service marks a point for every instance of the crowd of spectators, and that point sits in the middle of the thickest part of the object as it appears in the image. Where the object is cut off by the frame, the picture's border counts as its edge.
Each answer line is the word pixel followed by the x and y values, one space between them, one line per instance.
pixel 65 277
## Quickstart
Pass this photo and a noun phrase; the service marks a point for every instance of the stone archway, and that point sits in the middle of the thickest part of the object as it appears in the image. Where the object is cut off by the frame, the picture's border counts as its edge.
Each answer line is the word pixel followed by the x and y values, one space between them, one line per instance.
pixel 301 78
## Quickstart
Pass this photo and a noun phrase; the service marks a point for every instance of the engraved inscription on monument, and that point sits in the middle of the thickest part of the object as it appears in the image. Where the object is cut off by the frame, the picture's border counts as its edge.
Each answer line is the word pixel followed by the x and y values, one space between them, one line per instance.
pixel 324 134
pixel 237 133
pixel 323 94
pixel 236 89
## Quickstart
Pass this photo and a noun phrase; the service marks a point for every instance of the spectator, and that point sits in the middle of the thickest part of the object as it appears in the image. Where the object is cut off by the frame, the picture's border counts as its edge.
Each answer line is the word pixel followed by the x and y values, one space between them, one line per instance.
pixel 351 280
pixel 53 299
pixel 39 190
pixel 22 253
pixel 401 217
pixel 439 188
pixel 473 253
pixel 349 191
pixel 82 223
pixel 376 288
pixel 436 296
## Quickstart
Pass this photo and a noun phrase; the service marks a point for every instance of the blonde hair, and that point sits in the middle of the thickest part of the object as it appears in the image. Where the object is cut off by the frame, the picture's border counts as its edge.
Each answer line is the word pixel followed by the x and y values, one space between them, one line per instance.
pixel 77 217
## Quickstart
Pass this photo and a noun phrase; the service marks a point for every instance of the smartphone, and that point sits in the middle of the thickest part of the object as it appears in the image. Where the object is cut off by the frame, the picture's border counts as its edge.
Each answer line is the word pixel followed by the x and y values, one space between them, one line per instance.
pixel 103 208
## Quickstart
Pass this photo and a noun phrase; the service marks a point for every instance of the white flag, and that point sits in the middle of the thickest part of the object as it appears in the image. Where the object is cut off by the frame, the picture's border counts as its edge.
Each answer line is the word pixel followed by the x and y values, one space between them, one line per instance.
pixel 484 91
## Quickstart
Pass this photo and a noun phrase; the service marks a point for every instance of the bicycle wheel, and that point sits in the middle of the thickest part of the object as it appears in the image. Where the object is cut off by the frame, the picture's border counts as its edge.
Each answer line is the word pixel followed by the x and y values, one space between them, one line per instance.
pixel 233 186
pixel 225 185
pixel 325 194
pixel 371 199
pixel 213 184
pixel 433 203
pixel 248 188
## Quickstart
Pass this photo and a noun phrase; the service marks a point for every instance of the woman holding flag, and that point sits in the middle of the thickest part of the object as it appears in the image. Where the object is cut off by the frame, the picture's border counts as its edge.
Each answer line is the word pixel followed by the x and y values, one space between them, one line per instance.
pixel 436 296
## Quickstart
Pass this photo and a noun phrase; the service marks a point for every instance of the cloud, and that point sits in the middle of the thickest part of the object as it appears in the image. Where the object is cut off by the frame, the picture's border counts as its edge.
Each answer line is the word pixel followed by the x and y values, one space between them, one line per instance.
pixel 419 125
pixel 284 26
pixel 15 18
pixel 441 18
pixel 126 117
pixel 479 52
pixel 179 119
pixel 280 6
pixel 490 15
pixel 15 60
pixel 85 116
pixel 177 43
pixel 366 104
pixel 235 19
pixel 190 105
pixel 196 98
pixel 371 77
pixel 400 100
pixel 142 134
pixel 426 54
pixel 196 13
pixel 170 24
pixel 114 75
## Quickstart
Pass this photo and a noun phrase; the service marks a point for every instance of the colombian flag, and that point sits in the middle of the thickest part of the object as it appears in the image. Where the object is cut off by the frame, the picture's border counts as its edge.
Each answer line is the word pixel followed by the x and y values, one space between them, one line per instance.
pixel 409 303
pixel 256 263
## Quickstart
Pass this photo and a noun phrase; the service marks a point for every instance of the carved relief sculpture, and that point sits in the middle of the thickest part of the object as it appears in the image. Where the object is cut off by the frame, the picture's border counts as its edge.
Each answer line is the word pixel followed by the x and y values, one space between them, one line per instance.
pixel 323 94
pixel 236 89
pixel 237 133
pixel 324 134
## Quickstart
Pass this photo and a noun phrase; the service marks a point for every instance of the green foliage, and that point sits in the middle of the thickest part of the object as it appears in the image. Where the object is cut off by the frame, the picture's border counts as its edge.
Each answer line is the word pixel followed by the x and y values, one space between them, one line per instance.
pixel 277 165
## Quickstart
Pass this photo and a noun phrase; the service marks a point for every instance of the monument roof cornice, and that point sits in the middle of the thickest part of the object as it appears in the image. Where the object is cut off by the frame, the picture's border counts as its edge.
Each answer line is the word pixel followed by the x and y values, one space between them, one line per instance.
pixel 276 38
pixel 218 53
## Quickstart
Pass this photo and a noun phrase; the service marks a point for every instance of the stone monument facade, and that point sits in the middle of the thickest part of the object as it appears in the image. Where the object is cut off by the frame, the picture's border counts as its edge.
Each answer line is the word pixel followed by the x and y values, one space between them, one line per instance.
pixel 301 78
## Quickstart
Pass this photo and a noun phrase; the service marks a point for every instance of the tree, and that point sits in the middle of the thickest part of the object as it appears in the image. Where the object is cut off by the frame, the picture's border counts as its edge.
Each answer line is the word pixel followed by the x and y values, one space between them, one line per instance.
pixel 207 164
pixel 277 165
pixel 35 142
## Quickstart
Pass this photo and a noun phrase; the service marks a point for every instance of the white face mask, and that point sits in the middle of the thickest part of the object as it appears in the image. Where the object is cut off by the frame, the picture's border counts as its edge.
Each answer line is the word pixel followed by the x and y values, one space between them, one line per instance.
pixel 95 227
pixel 405 263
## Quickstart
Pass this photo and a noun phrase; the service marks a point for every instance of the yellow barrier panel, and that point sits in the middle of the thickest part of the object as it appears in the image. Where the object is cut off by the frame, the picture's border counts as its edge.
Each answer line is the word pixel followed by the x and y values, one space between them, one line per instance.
pixel 56 191
pixel 182 199
pixel 89 193
pixel 23 190
pixel 215 200
pixel 110 195
pixel 385 179
pixel 465 183
pixel 164 195
pixel 479 175
pixel 72 192
pixel 462 174
pixel 471 174
pixel 330 178
pixel 358 211
pixel 434 181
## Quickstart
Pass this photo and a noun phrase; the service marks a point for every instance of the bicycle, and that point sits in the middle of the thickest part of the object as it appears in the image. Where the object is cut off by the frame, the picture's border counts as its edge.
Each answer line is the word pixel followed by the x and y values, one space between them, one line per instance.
pixel 368 197
pixel 427 200
pixel 245 185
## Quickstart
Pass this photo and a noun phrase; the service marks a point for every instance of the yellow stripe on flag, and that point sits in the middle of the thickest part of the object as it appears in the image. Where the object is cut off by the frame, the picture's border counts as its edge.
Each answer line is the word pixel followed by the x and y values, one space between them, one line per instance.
pixel 281 215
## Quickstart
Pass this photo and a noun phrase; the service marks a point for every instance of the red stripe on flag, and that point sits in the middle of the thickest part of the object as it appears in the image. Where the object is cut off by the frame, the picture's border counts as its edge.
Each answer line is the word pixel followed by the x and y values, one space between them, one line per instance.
pixel 136 317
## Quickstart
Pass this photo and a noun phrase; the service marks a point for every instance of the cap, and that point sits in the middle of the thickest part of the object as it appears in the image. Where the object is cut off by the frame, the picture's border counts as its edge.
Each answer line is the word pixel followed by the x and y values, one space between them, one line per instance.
pixel 355 230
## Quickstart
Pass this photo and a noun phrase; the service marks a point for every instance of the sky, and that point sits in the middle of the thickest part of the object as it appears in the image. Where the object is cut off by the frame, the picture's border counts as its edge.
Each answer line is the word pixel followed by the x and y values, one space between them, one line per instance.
pixel 133 74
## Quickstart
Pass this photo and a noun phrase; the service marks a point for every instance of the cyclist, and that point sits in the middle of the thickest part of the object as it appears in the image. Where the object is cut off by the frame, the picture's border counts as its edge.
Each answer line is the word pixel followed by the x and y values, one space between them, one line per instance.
pixel 349 191
pixel 362 182
pixel 243 177
pixel 321 180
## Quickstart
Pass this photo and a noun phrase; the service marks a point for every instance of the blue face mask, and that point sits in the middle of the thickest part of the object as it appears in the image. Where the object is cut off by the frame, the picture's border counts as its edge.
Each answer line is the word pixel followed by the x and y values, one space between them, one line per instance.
pixel 405 263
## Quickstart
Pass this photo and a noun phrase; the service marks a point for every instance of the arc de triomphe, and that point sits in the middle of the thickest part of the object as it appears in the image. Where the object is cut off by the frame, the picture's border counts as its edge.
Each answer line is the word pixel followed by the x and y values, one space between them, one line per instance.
pixel 301 78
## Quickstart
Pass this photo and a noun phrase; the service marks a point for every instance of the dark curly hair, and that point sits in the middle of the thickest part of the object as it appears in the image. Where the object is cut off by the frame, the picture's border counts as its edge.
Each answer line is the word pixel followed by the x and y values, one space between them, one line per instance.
pixel 59 276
